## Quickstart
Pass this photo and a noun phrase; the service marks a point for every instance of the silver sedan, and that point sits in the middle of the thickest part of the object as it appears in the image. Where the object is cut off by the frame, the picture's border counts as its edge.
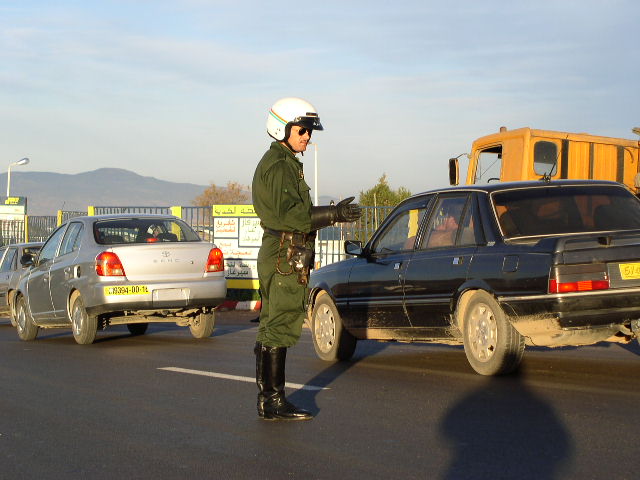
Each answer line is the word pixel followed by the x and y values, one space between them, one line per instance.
pixel 93 272
pixel 10 272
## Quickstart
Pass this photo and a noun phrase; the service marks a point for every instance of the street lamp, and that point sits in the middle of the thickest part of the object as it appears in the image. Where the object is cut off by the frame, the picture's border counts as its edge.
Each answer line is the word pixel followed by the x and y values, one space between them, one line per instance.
pixel 22 161
pixel 315 191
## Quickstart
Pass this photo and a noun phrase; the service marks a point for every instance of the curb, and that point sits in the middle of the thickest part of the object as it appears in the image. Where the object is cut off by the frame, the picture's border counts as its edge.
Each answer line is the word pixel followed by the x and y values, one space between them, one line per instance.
pixel 240 305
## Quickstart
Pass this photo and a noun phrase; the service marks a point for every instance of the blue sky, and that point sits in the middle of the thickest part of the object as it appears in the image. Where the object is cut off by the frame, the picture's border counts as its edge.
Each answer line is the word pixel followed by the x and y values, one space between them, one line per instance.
pixel 180 90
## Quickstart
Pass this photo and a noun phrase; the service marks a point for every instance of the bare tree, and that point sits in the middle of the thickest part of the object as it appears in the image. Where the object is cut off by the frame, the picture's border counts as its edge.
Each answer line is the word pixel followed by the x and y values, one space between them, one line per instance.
pixel 233 194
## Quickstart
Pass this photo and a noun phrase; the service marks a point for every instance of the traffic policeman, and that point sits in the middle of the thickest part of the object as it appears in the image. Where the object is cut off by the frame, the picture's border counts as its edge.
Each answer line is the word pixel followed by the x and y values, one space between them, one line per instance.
pixel 282 201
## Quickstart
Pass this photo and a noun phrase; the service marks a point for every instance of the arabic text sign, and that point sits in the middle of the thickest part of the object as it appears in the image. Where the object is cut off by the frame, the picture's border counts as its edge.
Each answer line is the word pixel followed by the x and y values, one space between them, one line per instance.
pixel 233 211
pixel 225 227
pixel 237 232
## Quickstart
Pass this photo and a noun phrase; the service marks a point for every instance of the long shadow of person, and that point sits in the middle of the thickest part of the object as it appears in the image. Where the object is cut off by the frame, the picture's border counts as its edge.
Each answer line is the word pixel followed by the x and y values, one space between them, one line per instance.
pixel 503 430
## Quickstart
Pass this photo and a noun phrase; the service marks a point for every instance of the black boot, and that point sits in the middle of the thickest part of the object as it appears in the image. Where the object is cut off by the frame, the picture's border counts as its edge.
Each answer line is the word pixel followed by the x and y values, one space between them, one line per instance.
pixel 275 406
pixel 261 373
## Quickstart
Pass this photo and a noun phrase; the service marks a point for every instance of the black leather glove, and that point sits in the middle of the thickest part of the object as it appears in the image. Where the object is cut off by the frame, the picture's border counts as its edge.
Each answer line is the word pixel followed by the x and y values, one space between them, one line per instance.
pixel 347 211
pixel 327 215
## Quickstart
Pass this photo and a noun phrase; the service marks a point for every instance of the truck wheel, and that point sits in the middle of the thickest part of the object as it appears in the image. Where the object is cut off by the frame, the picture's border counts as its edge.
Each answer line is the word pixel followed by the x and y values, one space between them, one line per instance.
pixel 27 330
pixel 202 326
pixel 84 326
pixel 492 345
pixel 330 339
pixel 137 328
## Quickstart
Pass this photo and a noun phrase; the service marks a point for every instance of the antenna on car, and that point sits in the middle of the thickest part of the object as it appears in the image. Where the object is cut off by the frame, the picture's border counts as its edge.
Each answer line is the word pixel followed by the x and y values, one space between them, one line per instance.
pixel 546 178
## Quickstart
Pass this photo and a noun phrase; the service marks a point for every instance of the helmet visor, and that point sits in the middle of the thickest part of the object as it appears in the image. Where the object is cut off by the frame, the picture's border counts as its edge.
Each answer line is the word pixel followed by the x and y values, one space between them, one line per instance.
pixel 312 122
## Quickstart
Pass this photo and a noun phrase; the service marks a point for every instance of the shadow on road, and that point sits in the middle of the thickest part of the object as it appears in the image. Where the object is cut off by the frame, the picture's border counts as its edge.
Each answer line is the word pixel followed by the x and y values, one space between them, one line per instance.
pixel 307 398
pixel 503 430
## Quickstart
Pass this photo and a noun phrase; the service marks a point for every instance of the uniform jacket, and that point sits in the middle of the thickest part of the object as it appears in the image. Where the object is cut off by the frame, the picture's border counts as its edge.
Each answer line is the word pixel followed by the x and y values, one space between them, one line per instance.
pixel 280 194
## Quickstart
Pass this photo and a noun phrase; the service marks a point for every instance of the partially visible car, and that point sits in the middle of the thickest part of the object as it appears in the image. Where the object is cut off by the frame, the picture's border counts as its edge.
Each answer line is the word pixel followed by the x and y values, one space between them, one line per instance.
pixel 96 271
pixel 10 272
pixel 492 267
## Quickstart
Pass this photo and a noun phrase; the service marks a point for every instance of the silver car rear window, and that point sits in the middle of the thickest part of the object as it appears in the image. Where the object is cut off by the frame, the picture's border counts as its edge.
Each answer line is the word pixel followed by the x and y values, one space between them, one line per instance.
pixel 142 230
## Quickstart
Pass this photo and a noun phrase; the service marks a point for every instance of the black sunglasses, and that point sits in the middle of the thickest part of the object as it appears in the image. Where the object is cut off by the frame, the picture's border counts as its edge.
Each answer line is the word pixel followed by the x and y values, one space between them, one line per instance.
pixel 304 130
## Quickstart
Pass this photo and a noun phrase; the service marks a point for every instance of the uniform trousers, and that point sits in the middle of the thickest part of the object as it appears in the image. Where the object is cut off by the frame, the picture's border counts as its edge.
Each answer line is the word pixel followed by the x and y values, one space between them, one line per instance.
pixel 283 299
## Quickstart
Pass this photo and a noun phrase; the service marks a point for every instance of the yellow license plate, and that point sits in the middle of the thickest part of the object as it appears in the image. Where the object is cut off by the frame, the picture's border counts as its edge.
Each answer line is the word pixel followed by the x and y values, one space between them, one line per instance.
pixel 630 271
pixel 127 290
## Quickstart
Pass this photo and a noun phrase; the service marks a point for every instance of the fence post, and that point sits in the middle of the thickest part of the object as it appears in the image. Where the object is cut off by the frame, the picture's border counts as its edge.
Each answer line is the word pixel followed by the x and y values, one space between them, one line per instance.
pixel 91 211
pixel 26 228
pixel 59 220
pixel 176 211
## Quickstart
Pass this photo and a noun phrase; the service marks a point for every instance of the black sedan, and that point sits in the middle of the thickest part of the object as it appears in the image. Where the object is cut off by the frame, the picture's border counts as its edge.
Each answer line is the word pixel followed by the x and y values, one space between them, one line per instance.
pixel 491 267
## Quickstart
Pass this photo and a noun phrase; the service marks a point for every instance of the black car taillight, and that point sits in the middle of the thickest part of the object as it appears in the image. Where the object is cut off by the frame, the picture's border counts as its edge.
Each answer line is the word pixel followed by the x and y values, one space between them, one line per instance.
pixel 578 278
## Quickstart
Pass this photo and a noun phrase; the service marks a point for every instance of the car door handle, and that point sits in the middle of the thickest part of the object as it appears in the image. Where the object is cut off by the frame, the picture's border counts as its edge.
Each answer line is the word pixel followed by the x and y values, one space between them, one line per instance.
pixel 396 266
pixel 458 260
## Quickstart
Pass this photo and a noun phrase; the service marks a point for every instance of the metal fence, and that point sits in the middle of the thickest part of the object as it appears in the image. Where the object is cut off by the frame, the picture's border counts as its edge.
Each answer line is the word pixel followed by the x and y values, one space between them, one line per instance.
pixel 39 227
pixel 116 210
pixel 201 220
pixel 329 244
pixel 12 231
pixel 330 241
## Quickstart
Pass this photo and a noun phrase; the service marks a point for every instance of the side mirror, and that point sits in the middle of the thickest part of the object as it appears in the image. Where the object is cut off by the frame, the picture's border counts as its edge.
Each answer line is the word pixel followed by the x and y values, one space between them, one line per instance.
pixel 353 247
pixel 454 169
pixel 26 260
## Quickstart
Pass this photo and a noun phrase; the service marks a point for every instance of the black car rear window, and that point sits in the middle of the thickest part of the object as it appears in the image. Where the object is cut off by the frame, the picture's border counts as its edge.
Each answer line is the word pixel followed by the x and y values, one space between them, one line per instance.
pixel 142 230
pixel 566 209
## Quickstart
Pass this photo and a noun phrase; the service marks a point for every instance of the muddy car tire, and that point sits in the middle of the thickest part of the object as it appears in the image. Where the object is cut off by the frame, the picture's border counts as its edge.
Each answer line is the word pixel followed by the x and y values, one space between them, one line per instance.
pixel 27 330
pixel 330 339
pixel 202 326
pixel 492 345
pixel 84 326
pixel 136 329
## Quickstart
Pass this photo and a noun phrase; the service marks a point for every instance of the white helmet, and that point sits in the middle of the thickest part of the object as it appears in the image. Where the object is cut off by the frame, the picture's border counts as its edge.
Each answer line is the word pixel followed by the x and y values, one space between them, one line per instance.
pixel 291 111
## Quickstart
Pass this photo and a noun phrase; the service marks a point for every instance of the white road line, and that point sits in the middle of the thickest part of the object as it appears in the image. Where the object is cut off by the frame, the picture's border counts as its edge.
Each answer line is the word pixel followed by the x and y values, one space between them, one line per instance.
pixel 237 378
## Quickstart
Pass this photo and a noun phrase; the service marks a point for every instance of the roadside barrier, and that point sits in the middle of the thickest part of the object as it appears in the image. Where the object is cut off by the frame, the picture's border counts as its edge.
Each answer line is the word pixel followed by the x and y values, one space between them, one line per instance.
pixel 235 229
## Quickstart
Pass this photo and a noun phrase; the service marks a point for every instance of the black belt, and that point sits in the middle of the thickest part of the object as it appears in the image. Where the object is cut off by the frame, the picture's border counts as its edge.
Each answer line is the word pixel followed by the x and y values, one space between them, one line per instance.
pixel 293 237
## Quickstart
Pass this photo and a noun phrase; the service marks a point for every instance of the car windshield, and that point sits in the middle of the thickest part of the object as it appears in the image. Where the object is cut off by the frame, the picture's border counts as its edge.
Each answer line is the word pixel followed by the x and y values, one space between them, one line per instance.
pixel 142 230
pixel 565 209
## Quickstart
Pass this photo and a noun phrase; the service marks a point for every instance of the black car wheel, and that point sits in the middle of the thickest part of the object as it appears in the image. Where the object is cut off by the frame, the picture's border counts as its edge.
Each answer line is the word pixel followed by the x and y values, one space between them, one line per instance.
pixel 85 326
pixel 330 339
pixel 492 345
pixel 137 328
pixel 202 326
pixel 27 330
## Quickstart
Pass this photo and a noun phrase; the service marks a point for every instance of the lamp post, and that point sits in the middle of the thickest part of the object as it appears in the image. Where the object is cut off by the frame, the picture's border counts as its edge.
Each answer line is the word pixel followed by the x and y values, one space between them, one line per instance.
pixel 315 192
pixel 315 172
pixel 22 161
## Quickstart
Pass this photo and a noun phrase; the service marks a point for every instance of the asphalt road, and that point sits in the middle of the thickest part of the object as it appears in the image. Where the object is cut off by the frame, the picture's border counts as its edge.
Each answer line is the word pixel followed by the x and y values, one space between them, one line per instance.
pixel 167 406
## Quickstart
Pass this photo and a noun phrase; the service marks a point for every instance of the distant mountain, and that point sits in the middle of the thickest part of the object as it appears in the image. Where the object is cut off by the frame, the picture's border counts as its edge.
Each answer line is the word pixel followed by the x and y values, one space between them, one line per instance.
pixel 49 192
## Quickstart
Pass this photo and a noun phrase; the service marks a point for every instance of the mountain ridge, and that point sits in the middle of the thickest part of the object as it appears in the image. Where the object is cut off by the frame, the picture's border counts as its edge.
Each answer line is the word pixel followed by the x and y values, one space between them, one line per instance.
pixel 48 192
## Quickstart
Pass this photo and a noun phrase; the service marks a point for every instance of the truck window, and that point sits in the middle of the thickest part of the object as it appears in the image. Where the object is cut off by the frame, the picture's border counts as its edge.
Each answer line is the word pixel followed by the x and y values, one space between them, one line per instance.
pixel 489 165
pixel 545 158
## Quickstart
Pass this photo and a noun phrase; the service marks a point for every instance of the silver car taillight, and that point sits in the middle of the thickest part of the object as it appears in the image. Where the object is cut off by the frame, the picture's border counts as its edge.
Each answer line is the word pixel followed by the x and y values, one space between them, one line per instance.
pixel 215 261
pixel 109 265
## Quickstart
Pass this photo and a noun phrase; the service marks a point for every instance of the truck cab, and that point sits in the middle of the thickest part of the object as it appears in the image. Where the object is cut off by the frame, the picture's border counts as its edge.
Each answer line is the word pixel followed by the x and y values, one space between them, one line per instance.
pixel 530 154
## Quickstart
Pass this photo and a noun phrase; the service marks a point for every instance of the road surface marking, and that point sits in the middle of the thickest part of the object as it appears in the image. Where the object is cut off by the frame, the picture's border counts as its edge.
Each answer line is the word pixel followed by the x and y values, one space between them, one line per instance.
pixel 204 373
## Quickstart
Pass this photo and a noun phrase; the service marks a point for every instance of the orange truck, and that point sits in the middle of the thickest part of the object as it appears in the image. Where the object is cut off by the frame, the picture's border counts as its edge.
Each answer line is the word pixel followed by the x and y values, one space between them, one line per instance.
pixel 529 154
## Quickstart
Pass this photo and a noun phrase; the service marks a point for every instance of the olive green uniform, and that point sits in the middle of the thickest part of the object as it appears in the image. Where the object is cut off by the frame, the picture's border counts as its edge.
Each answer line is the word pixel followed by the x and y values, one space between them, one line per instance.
pixel 282 201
